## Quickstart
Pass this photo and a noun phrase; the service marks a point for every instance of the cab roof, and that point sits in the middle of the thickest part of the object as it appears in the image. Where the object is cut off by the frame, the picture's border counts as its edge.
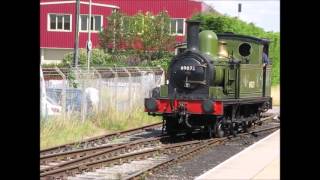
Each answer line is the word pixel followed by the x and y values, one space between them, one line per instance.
pixel 242 38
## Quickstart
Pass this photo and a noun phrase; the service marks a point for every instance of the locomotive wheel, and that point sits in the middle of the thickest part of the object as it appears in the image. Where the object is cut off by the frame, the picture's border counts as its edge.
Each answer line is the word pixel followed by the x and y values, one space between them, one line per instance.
pixel 189 134
pixel 265 107
pixel 172 134
pixel 218 130
pixel 210 132
pixel 234 133
pixel 233 130
pixel 245 127
pixel 171 127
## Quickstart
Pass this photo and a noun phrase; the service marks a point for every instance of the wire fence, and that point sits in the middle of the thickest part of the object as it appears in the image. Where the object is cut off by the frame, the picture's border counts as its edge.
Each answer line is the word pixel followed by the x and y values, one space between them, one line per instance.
pixel 81 92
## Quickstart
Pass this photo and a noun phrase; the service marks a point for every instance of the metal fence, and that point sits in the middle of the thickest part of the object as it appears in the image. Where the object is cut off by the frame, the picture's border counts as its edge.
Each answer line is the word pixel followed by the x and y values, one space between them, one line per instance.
pixel 81 92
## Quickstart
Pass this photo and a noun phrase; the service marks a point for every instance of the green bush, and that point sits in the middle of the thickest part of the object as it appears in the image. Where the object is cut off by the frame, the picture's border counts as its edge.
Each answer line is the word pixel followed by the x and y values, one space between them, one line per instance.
pixel 120 58
pixel 220 24
pixel 98 58
pixel 163 62
pixel 52 65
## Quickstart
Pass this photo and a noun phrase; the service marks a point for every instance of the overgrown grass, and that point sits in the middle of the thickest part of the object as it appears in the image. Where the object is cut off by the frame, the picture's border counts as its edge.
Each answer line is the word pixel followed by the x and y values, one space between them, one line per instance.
pixel 113 120
pixel 56 131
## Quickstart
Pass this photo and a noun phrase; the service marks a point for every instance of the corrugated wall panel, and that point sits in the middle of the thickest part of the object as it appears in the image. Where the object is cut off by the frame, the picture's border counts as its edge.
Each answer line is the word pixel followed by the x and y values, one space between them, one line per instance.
pixel 175 8
pixel 66 39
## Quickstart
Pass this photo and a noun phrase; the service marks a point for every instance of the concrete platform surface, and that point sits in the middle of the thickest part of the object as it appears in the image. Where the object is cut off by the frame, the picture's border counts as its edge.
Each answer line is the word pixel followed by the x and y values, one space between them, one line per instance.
pixel 258 161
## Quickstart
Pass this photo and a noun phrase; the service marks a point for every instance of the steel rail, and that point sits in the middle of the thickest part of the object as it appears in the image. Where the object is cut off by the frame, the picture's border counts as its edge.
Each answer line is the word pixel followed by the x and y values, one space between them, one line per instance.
pixel 190 152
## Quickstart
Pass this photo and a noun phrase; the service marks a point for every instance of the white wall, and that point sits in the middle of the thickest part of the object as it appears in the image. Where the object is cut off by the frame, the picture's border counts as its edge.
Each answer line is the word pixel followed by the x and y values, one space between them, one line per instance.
pixel 53 56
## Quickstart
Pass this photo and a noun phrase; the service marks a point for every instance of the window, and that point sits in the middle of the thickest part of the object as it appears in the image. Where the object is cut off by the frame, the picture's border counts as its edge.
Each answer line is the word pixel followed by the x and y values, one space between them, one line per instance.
pixel 96 22
pixel 59 22
pixel 244 49
pixel 177 26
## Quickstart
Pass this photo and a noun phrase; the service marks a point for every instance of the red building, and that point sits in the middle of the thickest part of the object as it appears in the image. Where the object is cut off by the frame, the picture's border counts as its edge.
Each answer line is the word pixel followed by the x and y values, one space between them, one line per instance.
pixel 57 21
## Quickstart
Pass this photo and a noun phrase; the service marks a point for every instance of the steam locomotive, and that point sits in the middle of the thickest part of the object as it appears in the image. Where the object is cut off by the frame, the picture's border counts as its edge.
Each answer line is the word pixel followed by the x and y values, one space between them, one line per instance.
pixel 218 85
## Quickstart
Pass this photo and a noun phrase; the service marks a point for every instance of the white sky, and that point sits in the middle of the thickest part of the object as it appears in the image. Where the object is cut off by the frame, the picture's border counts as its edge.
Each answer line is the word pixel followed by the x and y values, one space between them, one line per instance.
pixel 263 13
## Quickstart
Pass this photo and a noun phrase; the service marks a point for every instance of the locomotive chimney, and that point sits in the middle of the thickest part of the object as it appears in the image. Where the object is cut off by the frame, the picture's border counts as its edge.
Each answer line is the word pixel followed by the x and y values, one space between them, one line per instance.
pixel 193 34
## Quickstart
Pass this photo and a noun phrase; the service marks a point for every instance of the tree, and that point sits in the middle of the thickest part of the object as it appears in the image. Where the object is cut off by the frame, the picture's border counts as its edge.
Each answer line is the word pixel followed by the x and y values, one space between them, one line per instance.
pixel 113 36
pixel 144 34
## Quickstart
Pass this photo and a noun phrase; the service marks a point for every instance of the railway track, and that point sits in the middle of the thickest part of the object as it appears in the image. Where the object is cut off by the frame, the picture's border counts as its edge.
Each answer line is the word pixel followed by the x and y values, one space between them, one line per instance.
pixel 190 153
pixel 99 141
pixel 83 156
pixel 124 160
pixel 56 160
pixel 120 159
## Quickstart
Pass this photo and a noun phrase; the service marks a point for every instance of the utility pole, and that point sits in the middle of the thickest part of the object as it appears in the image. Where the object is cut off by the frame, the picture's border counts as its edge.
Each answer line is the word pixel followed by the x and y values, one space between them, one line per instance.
pixel 76 42
pixel 89 43
pixel 239 10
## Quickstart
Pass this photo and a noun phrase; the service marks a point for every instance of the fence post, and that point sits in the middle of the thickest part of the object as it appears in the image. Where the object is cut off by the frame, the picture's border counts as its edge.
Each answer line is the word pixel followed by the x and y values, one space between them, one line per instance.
pixel 130 84
pixel 116 92
pixel 100 89
pixel 163 78
pixel 43 96
pixel 115 87
pixel 154 79
pixel 79 77
pixel 139 90
pixel 63 92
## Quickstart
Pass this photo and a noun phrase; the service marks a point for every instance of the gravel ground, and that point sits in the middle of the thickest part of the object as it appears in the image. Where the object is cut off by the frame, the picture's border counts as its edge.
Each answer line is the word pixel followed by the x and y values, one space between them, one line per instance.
pixel 205 161
pixel 184 170
pixel 275 109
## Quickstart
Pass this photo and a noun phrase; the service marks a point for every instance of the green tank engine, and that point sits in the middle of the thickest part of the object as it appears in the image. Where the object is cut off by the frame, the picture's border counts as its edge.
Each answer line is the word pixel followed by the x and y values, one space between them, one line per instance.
pixel 217 84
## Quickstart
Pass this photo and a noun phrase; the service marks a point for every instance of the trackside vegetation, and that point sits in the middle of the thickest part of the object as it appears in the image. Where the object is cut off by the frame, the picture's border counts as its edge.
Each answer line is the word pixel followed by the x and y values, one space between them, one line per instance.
pixel 57 130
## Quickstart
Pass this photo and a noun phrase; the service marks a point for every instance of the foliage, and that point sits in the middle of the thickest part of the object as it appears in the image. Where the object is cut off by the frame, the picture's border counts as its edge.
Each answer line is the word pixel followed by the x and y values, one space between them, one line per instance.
pixel 129 41
pixel 220 24
pixel 144 35
pixel 154 31
pixel 115 33
pixel 56 131
pixel 163 62
pixel 98 57
pixel 52 65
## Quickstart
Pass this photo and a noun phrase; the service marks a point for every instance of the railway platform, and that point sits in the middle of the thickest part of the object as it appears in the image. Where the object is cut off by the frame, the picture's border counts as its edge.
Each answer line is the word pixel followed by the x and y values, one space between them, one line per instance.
pixel 256 162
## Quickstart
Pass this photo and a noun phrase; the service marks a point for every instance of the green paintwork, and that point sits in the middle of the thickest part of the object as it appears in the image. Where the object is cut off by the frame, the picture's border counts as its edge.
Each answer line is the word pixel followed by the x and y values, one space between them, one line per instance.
pixel 242 81
pixel 232 48
pixel 251 80
pixel 208 43
pixel 216 92
pixel 229 81
pixel 164 91
pixel 218 75
pixel 246 80
pixel 268 80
